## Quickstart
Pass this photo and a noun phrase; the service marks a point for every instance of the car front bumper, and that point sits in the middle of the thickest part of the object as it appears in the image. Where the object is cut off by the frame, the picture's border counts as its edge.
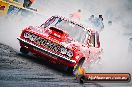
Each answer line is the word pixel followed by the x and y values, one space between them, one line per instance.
pixel 46 52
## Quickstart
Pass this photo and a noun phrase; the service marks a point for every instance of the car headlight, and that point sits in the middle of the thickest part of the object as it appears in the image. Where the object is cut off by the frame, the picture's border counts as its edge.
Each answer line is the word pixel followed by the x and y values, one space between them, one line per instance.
pixel 63 50
pixel 30 36
pixel 26 35
pixel 69 53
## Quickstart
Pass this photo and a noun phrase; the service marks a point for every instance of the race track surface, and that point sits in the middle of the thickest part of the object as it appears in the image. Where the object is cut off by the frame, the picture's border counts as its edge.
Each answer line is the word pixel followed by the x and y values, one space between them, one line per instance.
pixel 18 70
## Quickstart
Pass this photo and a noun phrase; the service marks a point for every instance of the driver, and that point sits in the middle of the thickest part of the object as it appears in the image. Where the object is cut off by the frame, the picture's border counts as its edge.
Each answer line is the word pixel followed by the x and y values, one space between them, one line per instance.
pixel 28 3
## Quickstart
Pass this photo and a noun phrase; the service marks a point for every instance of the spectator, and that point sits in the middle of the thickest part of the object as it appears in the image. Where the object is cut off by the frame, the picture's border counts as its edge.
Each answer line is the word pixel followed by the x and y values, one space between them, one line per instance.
pixel 76 15
pixel 98 23
pixel 91 19
pixel 28 3
pixel 100 17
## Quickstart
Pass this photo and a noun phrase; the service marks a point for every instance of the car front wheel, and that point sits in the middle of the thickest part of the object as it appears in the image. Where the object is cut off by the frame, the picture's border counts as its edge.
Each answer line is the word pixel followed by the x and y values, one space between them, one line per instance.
pixel 72 70
pixel 23 50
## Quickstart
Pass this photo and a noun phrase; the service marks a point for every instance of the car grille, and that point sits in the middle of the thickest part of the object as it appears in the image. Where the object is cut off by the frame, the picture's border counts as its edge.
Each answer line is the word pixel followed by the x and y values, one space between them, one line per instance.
pixel 48 44
pixel 46 52
pixel 44 42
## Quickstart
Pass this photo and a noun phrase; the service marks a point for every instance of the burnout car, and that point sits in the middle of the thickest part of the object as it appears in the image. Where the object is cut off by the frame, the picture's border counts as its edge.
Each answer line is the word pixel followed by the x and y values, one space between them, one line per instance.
pixel 61 41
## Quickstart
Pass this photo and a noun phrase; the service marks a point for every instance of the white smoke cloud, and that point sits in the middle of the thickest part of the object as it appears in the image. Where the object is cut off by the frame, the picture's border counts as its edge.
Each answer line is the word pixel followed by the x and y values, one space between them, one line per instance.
pixel 113 40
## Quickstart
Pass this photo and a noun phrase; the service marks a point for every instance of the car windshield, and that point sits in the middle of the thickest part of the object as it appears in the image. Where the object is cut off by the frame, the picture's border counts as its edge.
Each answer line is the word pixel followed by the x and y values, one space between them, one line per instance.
pixel 75 31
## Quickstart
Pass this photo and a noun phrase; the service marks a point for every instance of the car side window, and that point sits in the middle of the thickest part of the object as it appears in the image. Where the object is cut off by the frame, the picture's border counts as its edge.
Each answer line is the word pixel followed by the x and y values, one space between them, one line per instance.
pixel 95 40
pixel 92 41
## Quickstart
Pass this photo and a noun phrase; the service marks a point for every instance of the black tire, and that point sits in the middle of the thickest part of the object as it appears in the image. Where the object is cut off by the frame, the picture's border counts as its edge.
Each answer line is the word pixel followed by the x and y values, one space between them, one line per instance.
pixel 73 69
pixel 70 70
pixel 81 79
pixel 23 50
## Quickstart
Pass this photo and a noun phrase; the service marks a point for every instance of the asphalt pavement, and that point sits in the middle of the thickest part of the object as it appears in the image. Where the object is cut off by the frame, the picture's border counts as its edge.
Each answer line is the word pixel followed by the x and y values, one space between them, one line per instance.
pixel 18 70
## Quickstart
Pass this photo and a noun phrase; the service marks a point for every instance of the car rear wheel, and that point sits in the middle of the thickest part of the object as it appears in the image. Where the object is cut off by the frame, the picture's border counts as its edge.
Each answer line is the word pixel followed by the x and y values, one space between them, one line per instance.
pixel 23 50
pixel 75 68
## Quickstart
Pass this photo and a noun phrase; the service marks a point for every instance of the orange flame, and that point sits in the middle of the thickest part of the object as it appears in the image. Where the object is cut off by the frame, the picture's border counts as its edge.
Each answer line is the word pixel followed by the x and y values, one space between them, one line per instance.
pixel 80 72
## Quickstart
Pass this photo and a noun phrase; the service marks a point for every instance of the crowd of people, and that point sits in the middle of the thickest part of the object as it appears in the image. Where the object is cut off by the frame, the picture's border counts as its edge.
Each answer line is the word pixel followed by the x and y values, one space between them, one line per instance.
pixel 26 3
pixel 95 22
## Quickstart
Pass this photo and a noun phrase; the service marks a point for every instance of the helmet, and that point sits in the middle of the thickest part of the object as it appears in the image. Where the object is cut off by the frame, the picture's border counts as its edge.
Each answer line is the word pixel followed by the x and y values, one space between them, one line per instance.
pixel 79 10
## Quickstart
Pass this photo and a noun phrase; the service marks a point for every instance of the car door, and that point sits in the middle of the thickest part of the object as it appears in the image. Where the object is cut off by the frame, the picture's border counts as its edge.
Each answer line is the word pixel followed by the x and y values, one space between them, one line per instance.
pixel 95 50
